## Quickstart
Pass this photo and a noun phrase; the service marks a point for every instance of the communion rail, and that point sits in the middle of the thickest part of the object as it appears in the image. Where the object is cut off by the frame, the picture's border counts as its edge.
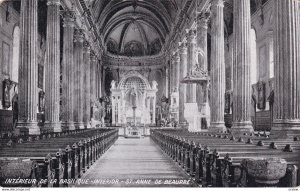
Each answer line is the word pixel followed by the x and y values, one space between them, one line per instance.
pixel 52 159
pixel 222 160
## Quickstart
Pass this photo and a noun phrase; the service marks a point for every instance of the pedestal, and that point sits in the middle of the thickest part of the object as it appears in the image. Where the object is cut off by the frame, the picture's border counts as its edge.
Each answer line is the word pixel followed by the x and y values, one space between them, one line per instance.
pixel 52 127
pixel 28 128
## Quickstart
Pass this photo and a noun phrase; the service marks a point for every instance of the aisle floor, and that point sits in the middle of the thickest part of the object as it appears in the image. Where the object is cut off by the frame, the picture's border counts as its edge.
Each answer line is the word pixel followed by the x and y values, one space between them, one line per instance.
pixel 136 163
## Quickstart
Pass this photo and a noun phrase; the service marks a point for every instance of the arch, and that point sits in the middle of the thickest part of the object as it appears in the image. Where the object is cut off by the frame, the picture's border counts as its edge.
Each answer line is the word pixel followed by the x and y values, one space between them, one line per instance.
pixel 16 54
pixel 141 32
pixel 111 9
pixel 128 18
pixel 133 74
pixel 253 57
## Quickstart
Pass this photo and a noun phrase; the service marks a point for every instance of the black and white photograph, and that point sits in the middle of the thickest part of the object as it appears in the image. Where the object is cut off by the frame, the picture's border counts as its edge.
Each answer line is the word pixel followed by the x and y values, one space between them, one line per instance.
pixel 136 94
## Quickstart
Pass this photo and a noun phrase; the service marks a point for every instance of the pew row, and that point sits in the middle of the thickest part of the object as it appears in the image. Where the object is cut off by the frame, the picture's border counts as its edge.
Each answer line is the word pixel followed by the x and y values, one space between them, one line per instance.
pixel 52 162
pixel 220 160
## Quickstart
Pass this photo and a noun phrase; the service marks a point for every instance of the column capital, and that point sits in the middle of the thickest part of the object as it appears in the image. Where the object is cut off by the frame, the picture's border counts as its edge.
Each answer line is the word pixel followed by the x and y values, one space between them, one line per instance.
pixel 53 2
pixel 93 56
pixel 69 18
pixel 78 35
pixel 183 46
pixel 192 36
pixel 203 19
pixel 219 3
pixel 86 46
pixel 177 56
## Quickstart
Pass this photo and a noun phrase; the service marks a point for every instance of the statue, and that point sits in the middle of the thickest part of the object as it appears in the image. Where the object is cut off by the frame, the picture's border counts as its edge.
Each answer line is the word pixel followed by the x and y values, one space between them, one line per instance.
pixel 113 84
pixel 7 83
pixel 154 85
pixel 261 91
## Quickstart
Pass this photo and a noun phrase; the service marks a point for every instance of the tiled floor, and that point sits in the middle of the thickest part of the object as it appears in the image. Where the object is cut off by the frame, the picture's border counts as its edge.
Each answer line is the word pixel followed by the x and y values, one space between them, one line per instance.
pixel 135 162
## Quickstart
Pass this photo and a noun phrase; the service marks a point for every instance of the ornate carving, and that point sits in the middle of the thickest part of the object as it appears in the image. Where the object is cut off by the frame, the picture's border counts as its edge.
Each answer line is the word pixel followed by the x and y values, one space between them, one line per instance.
pixel 86 46
pixel 203 19
pixel 69 18
pixel 79 35
pixel 266 170
pixel 53 2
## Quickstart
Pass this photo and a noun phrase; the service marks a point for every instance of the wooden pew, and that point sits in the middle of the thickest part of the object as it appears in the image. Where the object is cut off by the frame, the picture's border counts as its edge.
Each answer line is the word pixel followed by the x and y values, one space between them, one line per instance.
pixel 79 151
pixel 205 162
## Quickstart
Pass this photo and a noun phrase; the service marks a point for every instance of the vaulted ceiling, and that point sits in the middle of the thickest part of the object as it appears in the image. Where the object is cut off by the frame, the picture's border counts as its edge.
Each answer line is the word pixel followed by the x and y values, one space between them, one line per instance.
pixel 140 27
pixel 135 27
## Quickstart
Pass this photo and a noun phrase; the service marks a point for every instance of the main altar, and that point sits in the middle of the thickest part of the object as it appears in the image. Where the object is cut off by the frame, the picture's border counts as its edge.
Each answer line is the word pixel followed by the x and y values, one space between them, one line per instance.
pixel 133 102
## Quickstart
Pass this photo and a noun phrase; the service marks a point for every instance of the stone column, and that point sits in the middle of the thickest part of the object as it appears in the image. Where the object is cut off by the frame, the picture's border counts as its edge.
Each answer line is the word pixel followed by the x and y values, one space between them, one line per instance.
pixel 101 75
pixel 286 117
pixel 202 26
pixel 154 110
pixel 191 54
pixel 182 87
pixel 93 77
pixel 202 91
pixel 176 71
pixel 86 89
pixel 52 68
pixel 119 110
pixel 148 110
pixel 27 118
pixel 171 75
pixel 78 79
pixel 241 68
pixel 97 80
pixel 217 72
pixel 113 109
pixel 68 70
pixel 167 80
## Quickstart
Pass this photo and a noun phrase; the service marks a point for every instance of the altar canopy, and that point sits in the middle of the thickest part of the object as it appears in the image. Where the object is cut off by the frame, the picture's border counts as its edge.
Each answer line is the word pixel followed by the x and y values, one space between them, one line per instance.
pixel 133 100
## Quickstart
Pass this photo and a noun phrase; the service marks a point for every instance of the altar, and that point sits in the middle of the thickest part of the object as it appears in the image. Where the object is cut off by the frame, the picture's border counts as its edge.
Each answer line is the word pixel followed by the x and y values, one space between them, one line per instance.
pixel 133 132
pixel 133 101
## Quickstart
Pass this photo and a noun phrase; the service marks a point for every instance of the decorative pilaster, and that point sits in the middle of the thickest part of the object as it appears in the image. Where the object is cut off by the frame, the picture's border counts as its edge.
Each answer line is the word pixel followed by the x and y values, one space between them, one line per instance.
pixel 52 69
pixel 217 72
pixel 287 71
pixel 86 89
pixel 191 54
pixel 241 68
pixel 182 87
pixel 27 118
pixel 78 79
pixel 68 70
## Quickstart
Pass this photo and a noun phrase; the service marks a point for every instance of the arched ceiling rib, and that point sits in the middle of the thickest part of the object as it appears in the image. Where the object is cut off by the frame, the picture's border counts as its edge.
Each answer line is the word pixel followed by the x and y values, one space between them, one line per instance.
pixel 153 19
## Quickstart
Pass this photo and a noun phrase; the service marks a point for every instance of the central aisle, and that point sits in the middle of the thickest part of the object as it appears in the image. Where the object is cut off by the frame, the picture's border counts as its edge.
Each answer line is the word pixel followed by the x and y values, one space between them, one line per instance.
pixel 136 162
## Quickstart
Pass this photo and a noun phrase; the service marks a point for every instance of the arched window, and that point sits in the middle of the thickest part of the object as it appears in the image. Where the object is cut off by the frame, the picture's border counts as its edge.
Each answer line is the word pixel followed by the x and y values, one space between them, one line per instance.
pixel 253 66
pixel 16 54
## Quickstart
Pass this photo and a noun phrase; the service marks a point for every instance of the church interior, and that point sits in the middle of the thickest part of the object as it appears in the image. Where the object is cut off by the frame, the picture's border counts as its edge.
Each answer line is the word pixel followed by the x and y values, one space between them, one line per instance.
pixel 150 93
